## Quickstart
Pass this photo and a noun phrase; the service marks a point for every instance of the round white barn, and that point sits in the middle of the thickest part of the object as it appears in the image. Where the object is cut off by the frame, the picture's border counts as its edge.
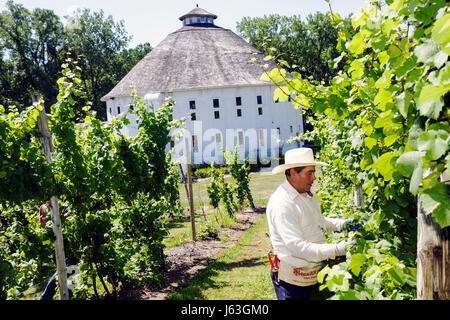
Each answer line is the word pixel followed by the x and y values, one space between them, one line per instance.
pixel 209 72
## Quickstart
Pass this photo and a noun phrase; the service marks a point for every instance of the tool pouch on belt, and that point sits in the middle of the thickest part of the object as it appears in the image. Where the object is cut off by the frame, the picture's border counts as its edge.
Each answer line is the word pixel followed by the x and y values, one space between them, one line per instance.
pixel 298 276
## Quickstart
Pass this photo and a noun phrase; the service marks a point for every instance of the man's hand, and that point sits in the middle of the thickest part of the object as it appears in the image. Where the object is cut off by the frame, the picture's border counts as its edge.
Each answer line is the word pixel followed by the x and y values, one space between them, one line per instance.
pixel 351 225
pixel 343 246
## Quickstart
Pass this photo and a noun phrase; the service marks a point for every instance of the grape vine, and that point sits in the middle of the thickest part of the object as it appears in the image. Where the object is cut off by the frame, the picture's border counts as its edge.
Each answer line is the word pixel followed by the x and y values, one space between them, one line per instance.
pixel 220 190
pixel 380 123
pixel 116 192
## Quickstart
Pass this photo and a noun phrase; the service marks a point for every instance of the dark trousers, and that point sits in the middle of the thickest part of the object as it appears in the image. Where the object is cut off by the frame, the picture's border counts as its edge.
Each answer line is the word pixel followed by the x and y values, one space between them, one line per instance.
pixel 287 291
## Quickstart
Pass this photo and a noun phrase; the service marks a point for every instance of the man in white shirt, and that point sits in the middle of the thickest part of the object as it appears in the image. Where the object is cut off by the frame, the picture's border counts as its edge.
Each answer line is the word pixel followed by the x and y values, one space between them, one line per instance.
pixel 297 228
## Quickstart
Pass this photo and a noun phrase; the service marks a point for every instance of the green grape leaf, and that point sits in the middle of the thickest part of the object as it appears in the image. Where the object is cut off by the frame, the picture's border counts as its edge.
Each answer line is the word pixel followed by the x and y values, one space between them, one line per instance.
pixel 397 275
pixel 357 45
pixel 370 142
pixel 436 200
pixel 441 32
pixel 357 262
pixel 432 92
pixel 434 142
pixel 431 108
pixel 403 100
pixel 384 165
pixel 409 164
pixel 429 53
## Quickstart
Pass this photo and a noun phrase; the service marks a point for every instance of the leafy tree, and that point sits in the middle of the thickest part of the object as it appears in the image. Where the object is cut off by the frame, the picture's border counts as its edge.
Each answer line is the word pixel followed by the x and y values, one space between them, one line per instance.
pixel 307 46
pixel 128 58
pixel 96 40
pixel 5 79
pixel 29 52
pixel 34 44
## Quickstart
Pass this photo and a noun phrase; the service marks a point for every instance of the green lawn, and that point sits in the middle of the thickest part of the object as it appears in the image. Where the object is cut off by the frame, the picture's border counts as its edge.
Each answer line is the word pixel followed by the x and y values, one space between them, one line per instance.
pixel 262 185
pixel 241 273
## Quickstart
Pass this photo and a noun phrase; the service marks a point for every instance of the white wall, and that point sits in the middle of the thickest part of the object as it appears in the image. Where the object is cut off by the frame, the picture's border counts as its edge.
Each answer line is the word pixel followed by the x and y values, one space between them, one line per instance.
pixel 274 115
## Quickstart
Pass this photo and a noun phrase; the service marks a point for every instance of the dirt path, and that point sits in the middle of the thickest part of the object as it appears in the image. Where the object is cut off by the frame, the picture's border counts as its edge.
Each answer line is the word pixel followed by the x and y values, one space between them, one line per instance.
pixel 189 258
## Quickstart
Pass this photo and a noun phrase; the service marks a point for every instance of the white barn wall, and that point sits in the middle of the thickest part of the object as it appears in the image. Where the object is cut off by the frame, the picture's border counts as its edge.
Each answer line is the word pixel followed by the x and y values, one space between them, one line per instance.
pixel 275 115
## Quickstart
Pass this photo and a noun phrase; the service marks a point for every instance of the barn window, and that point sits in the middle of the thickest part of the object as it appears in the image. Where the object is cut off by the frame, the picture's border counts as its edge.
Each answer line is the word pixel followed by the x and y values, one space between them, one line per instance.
pixel 193 116
pixel 216 115
pixel 260 111
pixel 239 112
pixel 216 103
pixel 238 101
pixel 259 99
pixel 192 104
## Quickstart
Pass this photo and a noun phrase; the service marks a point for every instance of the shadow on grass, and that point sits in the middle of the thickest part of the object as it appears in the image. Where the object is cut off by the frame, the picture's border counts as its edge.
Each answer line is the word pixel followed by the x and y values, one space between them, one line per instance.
pixel 205 279
pixel 177 222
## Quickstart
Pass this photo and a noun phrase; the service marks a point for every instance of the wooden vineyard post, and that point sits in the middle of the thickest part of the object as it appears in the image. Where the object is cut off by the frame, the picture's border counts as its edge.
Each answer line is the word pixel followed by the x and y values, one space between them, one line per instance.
pixel 433 259
pixel 56 219
pixel 358 196
pixel 191 194
pixel 184 180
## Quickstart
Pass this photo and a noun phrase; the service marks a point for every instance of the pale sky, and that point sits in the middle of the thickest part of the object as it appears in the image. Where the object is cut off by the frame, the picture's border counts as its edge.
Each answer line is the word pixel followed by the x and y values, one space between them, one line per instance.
pixel 152 20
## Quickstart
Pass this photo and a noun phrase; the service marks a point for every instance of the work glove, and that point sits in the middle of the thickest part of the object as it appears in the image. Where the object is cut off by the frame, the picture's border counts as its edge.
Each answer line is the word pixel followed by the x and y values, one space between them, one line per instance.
pixel 352 225
pixel 341 247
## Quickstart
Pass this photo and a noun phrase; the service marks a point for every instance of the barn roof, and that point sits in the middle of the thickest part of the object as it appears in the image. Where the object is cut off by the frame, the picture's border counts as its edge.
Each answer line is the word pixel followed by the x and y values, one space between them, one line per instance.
pixel 198 12
pixel 194 56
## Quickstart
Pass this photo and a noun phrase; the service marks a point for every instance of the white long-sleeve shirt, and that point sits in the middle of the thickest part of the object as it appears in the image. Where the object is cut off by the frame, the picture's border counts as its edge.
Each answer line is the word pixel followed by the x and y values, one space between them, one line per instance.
pixel 297 226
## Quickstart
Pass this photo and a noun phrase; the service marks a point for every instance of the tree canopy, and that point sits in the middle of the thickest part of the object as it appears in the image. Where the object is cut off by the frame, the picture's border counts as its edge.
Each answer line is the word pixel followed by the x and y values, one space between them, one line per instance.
pixel 307 46
pixel 34 44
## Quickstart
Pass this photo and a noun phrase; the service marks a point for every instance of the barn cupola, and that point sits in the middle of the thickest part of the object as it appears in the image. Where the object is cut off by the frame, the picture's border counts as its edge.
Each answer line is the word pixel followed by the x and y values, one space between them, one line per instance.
pixel 198 16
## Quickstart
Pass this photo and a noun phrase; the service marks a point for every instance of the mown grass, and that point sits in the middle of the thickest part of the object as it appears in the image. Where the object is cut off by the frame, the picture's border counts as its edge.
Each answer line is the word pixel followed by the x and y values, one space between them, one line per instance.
pixel 241 273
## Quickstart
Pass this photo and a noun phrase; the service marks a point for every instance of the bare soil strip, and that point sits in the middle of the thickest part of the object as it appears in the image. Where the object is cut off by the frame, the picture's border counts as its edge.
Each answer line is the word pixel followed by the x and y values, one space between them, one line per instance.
pixel 189 258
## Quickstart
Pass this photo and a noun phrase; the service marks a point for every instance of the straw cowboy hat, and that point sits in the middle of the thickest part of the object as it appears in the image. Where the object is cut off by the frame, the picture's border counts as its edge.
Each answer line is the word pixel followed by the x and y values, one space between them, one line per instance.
pixel 300 157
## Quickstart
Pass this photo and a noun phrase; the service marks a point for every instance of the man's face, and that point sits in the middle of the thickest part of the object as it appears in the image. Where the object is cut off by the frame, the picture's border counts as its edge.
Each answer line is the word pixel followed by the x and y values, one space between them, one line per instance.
pixel 303 181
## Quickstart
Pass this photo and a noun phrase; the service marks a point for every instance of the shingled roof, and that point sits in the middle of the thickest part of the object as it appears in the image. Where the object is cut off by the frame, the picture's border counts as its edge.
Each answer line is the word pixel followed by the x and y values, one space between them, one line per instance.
pixel 195 56
pixel 198 12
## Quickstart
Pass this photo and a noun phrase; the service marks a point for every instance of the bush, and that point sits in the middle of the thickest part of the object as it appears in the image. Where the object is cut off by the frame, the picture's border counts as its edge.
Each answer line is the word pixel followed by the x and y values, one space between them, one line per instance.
pixel 205 172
